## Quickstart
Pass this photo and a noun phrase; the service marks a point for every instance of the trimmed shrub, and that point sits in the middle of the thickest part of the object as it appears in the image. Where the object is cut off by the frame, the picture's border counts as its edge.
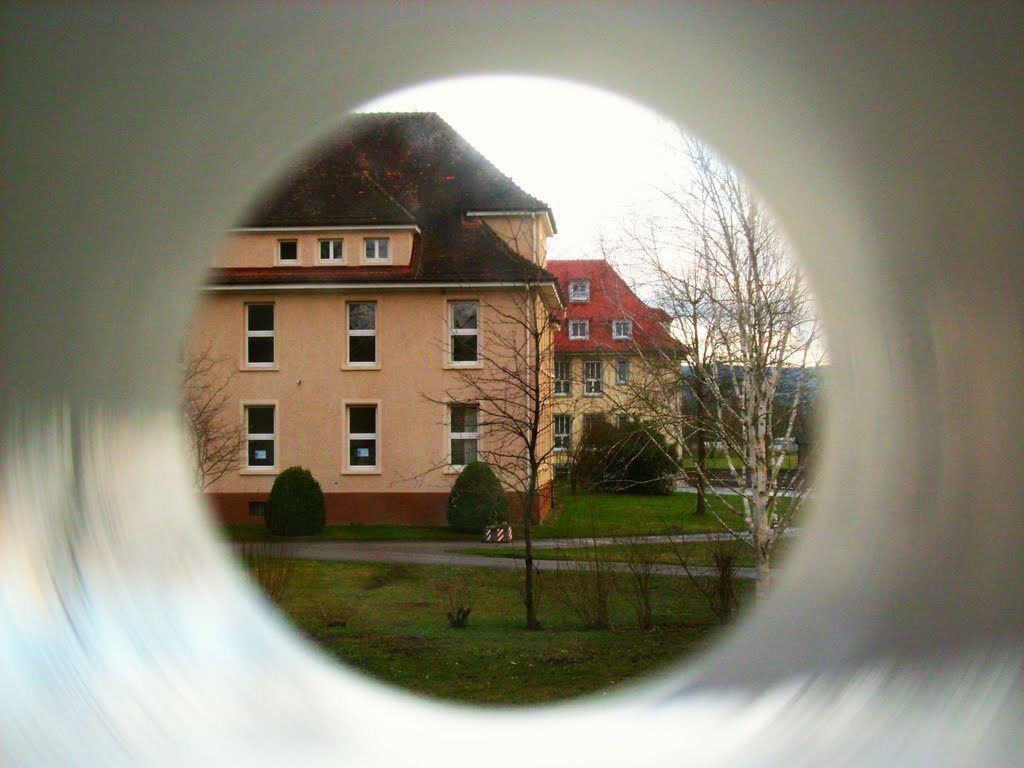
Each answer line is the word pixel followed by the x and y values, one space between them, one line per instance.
pixel 477 500
pixel 296 504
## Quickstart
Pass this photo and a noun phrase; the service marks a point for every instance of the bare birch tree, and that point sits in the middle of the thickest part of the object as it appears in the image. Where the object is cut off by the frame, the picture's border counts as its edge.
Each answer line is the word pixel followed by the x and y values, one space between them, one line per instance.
pixel 216 435
pixel 718 264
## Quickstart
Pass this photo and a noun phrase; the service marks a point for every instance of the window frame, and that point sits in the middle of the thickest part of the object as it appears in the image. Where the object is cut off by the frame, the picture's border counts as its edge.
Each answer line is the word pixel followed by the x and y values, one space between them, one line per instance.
pixel 337 254
pixel 584 285
pixel 619 378
pixel 251 334
pixel 348 468
pixel 584 323
pixel 629 328
pixel 246 468
pixel 376 258
pixel 362 333
pixel 566 435
pixel 462 435
pixel 452 332
pixel 565 380
pixel 588 381
pixel 282 241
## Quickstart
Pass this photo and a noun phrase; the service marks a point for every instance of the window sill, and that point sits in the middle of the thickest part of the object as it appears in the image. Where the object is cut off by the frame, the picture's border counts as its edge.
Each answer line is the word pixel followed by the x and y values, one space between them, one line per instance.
pixel 356 367
pixel 256 471
pixel 593 394
pixel 563 394
pixel 252 368
pixel 463 366
pixel 453 469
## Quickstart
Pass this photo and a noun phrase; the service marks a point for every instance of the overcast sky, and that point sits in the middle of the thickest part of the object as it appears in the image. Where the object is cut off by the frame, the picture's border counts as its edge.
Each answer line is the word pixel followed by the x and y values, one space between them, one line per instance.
pixel 589 154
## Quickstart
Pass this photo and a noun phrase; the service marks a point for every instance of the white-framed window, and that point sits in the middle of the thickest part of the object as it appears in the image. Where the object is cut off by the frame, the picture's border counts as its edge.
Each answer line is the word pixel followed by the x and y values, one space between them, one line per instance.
pixel 362 332
pixel 622 371
pixel 593 382
pixel 579 329
pixel 376 249
pixel 563 431
pixel 260 434
pixel 362 436
pixel 579 290
pixel 563 377
pixel 463 433
pixel 622 420
pixel 288 251
pixel 332 250
pixel 464 331
pixel 259 335
pixel 622 329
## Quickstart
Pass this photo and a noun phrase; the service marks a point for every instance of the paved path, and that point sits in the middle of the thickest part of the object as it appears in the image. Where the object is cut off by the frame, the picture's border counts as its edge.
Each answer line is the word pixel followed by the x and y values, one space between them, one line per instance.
pixel 448 553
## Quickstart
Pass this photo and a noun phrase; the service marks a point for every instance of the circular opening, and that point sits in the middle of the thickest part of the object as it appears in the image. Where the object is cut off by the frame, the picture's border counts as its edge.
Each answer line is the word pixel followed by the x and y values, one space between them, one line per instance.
pixel 444 315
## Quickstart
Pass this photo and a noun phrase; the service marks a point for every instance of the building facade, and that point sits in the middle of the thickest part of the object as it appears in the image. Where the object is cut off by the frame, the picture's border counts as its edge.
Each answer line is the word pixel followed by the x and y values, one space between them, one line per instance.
pixel 354 310
pixel 613 354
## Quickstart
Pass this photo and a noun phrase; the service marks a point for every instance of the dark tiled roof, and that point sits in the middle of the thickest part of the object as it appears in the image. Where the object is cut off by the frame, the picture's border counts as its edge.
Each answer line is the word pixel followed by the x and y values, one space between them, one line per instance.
pixel 610 299
pixel 400 168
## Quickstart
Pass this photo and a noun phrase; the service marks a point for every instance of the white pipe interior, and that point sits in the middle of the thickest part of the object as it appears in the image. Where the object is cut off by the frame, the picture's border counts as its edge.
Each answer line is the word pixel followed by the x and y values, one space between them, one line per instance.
pixel 888 141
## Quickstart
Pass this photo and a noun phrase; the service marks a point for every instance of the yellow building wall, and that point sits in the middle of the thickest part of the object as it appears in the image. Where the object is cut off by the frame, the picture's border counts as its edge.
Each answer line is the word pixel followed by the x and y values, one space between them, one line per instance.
pixel 310 383
pixel 260 249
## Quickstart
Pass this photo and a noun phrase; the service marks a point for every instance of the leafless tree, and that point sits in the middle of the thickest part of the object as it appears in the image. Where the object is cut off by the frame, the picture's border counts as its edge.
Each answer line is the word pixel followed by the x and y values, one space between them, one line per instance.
pixel 715 260
pixel 215 432
pixel 511 390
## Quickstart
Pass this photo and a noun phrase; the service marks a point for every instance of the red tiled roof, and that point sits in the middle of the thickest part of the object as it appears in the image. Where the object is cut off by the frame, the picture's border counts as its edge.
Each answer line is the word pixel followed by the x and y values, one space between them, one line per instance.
pixel 610 299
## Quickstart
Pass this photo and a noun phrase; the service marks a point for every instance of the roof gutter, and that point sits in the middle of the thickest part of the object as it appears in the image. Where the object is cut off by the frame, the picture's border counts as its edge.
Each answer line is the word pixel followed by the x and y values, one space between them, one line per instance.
pixel 338 228
pixel 540 211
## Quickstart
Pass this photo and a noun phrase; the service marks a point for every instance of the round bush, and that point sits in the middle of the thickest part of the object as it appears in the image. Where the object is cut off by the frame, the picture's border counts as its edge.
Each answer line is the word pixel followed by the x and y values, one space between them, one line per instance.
pixel 477 500
pixel 296 504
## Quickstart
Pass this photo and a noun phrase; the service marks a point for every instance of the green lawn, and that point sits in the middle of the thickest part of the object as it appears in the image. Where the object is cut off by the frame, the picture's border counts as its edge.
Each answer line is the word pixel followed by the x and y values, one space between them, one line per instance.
pixel 615 514
pixel 388 621
pixel 585 514
pixel 696 553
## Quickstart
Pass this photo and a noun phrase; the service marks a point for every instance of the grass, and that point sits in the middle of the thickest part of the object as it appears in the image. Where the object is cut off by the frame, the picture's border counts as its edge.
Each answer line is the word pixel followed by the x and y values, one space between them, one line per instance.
pixel 388 621
pixel 615 514
pixel 585 514
pixel 697 553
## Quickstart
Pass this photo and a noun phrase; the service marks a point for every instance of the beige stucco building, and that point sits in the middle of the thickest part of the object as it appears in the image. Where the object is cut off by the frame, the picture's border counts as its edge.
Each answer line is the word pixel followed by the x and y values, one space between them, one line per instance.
pixel 360 313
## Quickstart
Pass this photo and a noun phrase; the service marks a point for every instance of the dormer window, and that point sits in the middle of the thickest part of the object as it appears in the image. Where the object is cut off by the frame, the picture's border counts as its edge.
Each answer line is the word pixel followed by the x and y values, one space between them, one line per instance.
pixel 579 290
pixel 377 249
pixel 331 250
pixel 579 329
pixel 288 251
pixel 622 329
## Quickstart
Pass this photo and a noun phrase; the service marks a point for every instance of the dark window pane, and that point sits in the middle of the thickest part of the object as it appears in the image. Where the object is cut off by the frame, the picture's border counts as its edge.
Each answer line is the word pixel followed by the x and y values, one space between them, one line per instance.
pixel 261 453
pixel 465 314
pixel 377 248
pixel 362 349
pixel 261 349
pixel 362 419
pixel 464 349
pixel 261 317
pixel 463 452
pixel 362 453
pixel 362 316
pixel 325 249
pixel 289 250
pixel 261 419
pixel 464 418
